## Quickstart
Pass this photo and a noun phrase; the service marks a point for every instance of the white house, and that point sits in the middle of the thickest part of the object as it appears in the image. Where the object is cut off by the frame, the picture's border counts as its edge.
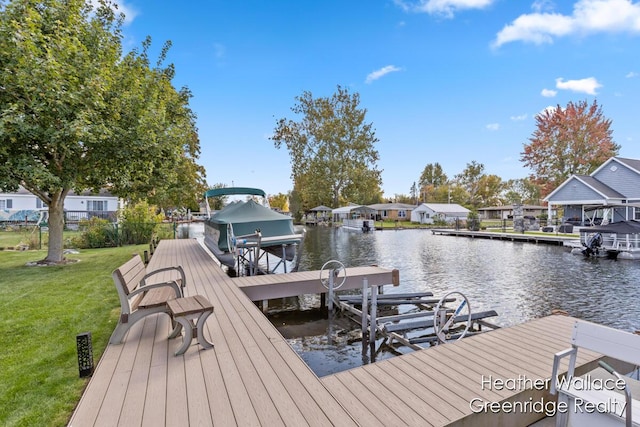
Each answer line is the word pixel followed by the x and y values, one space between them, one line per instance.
pixel 23 206
pixel 427 213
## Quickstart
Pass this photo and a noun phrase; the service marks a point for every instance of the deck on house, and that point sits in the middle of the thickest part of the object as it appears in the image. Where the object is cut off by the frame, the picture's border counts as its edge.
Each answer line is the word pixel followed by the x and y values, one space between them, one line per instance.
pixel 253 377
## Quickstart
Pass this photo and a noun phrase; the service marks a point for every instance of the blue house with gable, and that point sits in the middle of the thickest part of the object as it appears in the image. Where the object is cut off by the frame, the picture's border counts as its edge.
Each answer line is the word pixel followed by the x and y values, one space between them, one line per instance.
pixel 610 194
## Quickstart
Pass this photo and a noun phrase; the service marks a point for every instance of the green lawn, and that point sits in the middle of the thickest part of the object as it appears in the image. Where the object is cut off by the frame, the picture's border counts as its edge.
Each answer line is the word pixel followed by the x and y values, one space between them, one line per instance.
pixel 31 236
pixel 42 309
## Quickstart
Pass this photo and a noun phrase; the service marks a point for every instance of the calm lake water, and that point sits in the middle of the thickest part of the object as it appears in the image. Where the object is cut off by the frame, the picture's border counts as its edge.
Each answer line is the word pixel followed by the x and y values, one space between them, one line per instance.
pixel 521 281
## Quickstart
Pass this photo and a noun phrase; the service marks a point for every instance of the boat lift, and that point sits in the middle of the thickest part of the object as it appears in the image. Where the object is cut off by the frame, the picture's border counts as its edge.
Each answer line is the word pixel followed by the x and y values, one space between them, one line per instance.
pixel 436 322
pixel 248 251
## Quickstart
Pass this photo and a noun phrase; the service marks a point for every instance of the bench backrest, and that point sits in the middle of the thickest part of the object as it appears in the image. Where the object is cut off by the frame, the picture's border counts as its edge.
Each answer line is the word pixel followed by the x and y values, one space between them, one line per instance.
pixel 610 342
pixel 129 274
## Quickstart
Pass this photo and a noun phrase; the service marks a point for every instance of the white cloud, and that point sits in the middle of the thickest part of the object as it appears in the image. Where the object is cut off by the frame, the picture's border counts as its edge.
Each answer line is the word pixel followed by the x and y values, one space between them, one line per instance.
pixel 519 118
pixel 632 74
pixel 445 8
pixel 375 75
pixel 588 17
pixel 543 6
pixel 493 126
pixel 550 109
pixel 588 85
pixel 548 93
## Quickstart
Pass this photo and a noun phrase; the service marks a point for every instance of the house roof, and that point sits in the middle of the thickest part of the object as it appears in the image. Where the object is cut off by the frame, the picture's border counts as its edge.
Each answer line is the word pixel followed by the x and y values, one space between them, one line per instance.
pixel 632 164
pixel 589 181
pixel 353 208
pixel 392 206
pixel 510 207
pixel 321 208
pixel 103 193
pixel 444 208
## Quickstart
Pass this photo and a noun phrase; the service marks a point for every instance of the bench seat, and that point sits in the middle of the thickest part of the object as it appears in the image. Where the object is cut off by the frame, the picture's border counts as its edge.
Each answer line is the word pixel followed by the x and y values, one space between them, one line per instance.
pixel 141 296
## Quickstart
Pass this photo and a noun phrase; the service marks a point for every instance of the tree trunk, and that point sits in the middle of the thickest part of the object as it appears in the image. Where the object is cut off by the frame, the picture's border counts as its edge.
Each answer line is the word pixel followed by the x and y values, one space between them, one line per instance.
pixel 56 227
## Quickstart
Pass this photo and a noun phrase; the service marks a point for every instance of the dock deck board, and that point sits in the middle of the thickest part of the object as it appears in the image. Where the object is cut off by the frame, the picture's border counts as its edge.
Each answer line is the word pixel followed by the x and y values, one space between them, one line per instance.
pixel 253 377
pixel 446 378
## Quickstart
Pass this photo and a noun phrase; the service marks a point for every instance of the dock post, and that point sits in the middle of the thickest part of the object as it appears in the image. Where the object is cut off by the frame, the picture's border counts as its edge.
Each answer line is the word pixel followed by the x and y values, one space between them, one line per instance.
pixel 330 303
pixel 365 309
pixel 372 321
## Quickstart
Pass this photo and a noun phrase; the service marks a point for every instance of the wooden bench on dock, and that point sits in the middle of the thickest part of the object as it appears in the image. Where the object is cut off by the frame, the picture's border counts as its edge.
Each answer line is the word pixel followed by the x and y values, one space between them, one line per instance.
pixel 140 296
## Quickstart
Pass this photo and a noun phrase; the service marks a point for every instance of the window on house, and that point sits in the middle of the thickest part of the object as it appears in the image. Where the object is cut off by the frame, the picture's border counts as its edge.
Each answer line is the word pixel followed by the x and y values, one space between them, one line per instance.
pixel 96 205
pixel 6 204
pixel 38 204
pixel 636 214
pixel 402 214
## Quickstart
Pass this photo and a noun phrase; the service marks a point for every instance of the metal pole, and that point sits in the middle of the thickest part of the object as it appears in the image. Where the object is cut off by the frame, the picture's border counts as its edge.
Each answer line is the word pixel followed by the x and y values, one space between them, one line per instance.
pixel 372 320
pixel 365 309
pixel 330 304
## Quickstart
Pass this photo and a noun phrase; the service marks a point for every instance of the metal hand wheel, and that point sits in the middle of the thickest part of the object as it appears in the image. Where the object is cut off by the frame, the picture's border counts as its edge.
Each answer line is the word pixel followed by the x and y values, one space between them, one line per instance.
pixel 335 268
pixel 442 323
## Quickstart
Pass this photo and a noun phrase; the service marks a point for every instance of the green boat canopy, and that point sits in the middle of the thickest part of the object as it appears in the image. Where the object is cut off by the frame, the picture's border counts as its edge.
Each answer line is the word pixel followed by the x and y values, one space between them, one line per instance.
pixel 228 191
pixel 248 216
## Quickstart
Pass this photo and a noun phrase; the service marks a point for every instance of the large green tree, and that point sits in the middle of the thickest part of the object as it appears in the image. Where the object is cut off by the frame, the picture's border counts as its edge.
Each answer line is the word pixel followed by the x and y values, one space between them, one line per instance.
pixel 572 140
pixel 522 190
pixel 332 150
pixel 431 179
pixel 78 114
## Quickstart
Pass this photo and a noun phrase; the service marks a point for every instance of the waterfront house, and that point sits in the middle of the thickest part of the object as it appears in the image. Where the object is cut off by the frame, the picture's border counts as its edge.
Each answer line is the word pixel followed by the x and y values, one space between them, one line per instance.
pixel 427 213
pixel 352 211
pixel 393 211
pixel 506 211
pixel 23 206
pixel 610 194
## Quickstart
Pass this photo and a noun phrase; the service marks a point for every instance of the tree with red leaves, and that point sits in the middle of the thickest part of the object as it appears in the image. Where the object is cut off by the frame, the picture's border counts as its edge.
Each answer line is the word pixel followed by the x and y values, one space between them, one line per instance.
pixel 568 141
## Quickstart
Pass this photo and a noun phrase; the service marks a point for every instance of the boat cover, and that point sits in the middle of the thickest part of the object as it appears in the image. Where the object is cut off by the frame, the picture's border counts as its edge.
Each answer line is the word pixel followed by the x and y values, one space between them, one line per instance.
pixel 620 227
pixel 248 216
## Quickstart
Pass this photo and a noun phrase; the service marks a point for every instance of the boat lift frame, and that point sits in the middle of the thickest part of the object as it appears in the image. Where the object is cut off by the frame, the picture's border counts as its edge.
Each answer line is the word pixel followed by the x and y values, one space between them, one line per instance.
pixel 392 327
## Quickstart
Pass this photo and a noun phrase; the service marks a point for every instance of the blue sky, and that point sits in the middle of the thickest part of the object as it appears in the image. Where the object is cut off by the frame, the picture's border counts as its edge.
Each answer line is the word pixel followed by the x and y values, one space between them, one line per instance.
pixel 447 81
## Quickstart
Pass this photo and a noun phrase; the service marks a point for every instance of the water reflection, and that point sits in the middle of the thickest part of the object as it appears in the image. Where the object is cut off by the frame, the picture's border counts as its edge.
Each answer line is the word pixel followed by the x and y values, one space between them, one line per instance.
pixel 521 281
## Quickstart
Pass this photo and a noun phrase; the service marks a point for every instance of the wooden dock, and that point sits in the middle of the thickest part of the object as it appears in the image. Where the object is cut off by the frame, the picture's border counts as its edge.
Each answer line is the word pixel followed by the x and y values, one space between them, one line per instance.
pixel 270 286
pixel 513 237
pixel 253 377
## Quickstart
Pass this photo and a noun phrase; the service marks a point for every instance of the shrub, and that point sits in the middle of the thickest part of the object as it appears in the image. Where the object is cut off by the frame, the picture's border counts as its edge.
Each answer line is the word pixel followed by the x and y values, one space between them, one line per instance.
pixel 138 223
pixel 473 221
pixel 95 233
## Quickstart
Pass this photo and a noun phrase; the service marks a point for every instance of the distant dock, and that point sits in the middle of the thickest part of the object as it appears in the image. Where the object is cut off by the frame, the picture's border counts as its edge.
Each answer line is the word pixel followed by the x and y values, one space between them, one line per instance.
pixel 514 237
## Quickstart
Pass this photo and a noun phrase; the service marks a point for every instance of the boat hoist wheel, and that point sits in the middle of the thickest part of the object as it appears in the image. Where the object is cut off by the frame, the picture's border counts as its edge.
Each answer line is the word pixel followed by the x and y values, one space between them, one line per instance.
pixel 442 325
pixel 338 270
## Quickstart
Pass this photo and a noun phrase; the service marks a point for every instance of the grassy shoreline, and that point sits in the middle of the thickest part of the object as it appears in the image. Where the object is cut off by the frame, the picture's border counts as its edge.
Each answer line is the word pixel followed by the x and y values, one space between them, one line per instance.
pixel 42 309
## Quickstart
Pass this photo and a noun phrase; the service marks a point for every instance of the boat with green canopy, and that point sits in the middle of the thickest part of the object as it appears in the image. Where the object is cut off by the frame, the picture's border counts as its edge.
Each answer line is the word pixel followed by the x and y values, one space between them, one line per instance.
pixel 245 234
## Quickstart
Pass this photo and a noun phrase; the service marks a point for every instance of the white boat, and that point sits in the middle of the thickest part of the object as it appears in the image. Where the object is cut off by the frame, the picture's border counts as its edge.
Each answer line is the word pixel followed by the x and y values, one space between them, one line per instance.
pixel 355 217
pixel 363 225
pixel 244 234
pixel 617 240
